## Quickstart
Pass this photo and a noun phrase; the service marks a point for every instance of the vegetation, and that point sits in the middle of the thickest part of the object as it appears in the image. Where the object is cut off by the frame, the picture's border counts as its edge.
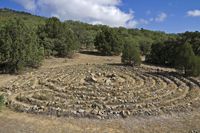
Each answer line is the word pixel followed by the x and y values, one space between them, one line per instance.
pixel 56 39
pixel 176 53
pixel 131 54
pixel 19 47
pixel 108 42
pixel 26 39
pixel 187 61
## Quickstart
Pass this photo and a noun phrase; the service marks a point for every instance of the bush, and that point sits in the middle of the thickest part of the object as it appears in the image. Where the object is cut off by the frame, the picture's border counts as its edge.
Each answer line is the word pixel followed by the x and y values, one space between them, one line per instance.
pixel 131 54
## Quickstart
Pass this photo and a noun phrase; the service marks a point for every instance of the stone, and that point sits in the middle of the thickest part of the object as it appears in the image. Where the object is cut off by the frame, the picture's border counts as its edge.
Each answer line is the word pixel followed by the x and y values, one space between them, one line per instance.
pixel 123 114
pixel 94 111
pixel 91 79
pixel 108 82
pixel 35 107
pixel 81 111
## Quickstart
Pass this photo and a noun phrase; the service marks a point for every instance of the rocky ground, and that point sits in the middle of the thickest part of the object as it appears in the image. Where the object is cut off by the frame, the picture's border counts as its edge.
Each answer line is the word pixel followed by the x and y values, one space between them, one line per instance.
pixel 99 88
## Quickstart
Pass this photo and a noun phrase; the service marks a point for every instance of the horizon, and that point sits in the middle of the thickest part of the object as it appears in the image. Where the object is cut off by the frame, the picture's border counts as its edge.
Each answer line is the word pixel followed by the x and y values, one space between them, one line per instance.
pixel 166 16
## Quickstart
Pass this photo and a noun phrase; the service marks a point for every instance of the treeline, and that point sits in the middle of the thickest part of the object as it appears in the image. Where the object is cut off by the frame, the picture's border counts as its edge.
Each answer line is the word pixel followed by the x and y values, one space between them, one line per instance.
pixel 25 43
pixel 181 53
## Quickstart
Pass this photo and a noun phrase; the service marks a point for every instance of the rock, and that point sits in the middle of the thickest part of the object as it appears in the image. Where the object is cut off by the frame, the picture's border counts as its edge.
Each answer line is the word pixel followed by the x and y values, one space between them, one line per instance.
pixel 91 79
pixel 108 82
pixel 35 107
pixel 99 117
pixel 94 111
pixel 81 111
pixel 128 113
pixel 58 109
pixel 74 112
pixel 125 114
pixel 99 74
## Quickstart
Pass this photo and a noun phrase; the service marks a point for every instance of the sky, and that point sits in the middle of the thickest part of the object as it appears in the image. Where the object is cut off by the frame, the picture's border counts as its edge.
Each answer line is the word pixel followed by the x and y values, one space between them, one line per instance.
pixel 171 16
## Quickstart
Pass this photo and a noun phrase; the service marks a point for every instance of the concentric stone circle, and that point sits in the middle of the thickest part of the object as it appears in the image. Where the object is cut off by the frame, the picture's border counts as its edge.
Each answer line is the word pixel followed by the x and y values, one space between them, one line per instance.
pixel 102 91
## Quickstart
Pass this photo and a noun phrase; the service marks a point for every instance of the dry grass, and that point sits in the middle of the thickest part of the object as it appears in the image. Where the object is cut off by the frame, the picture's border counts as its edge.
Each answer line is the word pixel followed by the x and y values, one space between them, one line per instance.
pixel 11 122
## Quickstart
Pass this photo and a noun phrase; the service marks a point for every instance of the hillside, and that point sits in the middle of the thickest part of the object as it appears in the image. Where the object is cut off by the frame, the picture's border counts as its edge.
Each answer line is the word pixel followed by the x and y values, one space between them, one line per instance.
pixel 32 20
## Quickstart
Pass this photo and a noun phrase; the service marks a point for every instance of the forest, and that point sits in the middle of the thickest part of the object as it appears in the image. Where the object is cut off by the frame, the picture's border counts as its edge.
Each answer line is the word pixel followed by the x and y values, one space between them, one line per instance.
pixel 26 40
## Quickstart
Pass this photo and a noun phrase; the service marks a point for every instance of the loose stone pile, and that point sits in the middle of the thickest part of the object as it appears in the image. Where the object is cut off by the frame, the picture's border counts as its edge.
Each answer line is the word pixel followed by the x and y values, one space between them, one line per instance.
pixel 102 92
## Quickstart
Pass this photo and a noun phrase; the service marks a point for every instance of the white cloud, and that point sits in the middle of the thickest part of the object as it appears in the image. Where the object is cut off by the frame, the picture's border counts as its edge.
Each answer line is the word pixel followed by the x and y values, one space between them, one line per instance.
pixel 194 13
pixel 161 17
pixel 92 11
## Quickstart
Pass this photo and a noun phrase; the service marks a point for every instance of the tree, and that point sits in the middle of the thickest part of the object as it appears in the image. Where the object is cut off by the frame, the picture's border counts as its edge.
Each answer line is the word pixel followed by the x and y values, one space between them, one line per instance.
pixel 194 39
pixel 131 54
pixel 185 59
pixel 163 53
pixel 57 39
pixel 67 44
pixel 195 66
pixel 19 47
pixel 145 46
pixel 108 42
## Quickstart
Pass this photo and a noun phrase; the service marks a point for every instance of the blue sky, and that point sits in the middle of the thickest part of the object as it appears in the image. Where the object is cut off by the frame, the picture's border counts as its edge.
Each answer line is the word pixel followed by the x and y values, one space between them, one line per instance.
pixel 164 15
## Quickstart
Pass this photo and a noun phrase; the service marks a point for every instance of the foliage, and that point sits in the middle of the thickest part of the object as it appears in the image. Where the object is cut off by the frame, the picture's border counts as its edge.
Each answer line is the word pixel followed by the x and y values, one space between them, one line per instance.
pixel 108 42
pixel 57 39
pixel 19 47
pixel 187 61
pixel 194 39
pixel 162 53
pixel 176 53
pixel 32 21
pixel 131 54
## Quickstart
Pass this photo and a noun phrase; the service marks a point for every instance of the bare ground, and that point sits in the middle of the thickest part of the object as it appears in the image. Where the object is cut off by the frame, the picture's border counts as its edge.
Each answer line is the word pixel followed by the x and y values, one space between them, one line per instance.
pixel 13 122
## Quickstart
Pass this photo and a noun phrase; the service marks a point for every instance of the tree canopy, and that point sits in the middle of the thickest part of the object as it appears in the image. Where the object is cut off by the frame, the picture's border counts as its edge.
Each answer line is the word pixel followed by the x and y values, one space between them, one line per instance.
pixel 108 42
pixel 19 47
pixel 131 54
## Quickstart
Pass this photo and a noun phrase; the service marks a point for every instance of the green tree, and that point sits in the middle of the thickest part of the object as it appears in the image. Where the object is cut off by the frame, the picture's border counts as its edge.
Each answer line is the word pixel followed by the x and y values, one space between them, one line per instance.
pixel 57 39
pixel 19 47
pixel 131 54
pixel 185 58
pixel 108 42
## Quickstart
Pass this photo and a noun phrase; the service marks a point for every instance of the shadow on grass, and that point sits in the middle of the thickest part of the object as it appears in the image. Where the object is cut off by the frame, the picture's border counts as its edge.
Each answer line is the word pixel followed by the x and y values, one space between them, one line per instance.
pixel 96 53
